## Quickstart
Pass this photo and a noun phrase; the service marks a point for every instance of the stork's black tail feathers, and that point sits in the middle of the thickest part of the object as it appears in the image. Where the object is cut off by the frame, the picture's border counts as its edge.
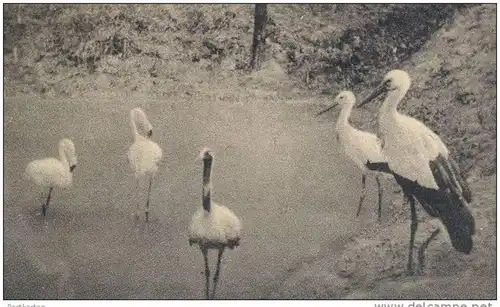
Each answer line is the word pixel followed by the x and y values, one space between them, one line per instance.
pixel 461 180
pixel 453 212
pixel 460 226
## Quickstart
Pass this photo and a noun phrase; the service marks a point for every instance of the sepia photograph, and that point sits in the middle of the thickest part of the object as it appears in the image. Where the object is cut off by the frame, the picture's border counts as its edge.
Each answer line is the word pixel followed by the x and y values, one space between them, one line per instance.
pixel 250 151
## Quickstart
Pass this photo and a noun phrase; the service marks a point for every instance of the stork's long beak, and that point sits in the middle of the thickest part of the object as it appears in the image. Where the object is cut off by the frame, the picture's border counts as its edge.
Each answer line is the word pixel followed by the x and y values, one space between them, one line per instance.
pixel 382 88
pixel 327 109
pixel 72 167
pixel 150 133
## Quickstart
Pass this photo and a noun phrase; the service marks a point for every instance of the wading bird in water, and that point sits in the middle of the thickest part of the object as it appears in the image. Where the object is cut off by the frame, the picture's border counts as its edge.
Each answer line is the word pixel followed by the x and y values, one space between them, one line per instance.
pixel 144 155
pixel 53 172
pixel 213 226
pixel 362 148
pixel 423 167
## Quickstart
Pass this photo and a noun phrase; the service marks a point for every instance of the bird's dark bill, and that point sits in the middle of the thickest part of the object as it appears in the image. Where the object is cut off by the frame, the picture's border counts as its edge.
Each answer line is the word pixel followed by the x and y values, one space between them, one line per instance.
pixel 150 133
pixel 72 167
pixel 326 110
pixel 377 92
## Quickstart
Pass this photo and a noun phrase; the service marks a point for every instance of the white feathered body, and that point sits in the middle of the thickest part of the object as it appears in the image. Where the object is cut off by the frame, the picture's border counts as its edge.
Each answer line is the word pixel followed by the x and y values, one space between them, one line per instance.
pixel 144 156
pixel 49 172
pixel 218 226
pixel 409 146
pixel 360 146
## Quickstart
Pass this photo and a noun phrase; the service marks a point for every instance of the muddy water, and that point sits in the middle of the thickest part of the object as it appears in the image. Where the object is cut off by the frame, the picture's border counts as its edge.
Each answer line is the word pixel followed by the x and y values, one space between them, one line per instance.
pixel 276 167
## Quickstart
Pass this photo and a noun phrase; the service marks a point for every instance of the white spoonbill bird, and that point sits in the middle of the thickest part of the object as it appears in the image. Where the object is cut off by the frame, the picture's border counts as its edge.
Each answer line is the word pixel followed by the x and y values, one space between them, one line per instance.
pixel 144 155
pixel 362 148
pixel 53 172
pixel 423 167
pixel 213 226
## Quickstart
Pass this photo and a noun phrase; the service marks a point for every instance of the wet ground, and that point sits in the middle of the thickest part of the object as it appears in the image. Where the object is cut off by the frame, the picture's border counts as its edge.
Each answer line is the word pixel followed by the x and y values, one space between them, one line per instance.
pixel 276 167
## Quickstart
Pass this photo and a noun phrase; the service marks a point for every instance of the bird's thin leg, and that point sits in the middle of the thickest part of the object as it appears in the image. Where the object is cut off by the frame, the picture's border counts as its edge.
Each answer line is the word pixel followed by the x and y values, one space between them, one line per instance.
pixel 46 205
pixel 41 197
pixel 137 203
pixel 362 197
pixel 413 230
pixel 204 251
pixel 216 275
pixel 421 250
pixel 147 201
pixel 41 200
pixel 379 198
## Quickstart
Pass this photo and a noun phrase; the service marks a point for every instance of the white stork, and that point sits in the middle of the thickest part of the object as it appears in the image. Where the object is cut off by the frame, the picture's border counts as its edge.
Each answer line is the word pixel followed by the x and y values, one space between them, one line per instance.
pixel 423 167
pixel 144 155
pixel 53 172
pixel 213 226
pixel 362 148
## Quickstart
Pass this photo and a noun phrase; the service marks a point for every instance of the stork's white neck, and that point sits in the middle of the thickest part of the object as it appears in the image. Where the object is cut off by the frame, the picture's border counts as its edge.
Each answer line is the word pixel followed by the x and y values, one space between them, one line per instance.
pixel 133 125
pixel 63 157
pixel 388 112
pixel 389 107
pixel 343 120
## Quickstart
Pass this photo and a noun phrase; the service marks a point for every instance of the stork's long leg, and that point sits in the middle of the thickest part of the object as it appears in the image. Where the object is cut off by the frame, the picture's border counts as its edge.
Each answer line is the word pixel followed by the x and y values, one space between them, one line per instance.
pixel 413 230
pixel 204 251
pixel 137 198
pixel 41 198
pixel 216 275
pixel 379 198
pixel 46 205
pixel 147 201
pixel 362 197
pixel 421 250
